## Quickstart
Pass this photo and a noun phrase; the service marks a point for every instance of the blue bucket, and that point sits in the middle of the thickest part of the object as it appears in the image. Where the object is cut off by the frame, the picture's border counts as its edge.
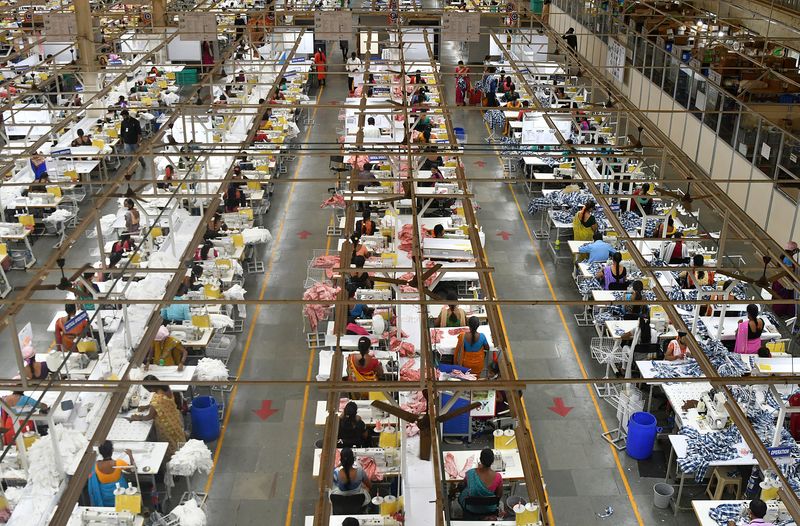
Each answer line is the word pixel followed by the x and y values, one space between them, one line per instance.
pixel 205 419
pixel 642 432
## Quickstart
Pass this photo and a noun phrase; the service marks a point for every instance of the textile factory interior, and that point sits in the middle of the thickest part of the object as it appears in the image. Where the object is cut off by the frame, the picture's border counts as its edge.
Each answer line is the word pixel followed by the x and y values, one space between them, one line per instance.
pixel 399 262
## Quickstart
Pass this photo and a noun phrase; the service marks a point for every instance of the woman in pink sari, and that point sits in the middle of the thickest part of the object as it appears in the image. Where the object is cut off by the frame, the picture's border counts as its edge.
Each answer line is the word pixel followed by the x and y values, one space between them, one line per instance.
pixel 748 334
pixel 462 83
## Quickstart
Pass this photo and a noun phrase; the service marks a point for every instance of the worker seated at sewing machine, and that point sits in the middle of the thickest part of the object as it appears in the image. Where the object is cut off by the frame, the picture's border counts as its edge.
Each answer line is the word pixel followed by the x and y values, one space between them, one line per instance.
pixel 482 489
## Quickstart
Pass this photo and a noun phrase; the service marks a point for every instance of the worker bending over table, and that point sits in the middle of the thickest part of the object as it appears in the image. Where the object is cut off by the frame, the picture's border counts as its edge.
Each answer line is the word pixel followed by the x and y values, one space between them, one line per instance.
pixel 165 414
pixel 598 250
pixel 166 350
pixel 757 510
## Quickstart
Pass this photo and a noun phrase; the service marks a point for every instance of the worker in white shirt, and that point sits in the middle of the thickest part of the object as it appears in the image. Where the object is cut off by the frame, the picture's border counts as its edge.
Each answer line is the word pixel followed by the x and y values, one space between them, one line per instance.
pixel 353 68
pixel 370 130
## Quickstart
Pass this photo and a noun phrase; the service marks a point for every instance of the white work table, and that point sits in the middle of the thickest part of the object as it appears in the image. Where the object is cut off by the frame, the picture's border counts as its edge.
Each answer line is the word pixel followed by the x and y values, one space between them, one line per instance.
pixel 368 414
pixel 77 513
pixel 513 467
pixel 148 456
pixel 337 520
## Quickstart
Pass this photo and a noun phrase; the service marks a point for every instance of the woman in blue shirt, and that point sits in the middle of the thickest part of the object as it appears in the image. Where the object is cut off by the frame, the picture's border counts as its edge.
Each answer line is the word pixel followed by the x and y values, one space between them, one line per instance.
pixel 350 480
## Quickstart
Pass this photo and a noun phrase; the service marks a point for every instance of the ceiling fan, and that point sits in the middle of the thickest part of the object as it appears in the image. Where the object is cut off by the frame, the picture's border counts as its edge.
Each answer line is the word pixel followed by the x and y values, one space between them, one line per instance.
pixel 764 281
pixel 685 199
pixel 66 284
pixel 422 421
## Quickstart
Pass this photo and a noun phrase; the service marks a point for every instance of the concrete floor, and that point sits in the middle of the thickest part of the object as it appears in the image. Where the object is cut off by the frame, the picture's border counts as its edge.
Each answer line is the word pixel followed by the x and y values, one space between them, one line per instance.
pixel 263 469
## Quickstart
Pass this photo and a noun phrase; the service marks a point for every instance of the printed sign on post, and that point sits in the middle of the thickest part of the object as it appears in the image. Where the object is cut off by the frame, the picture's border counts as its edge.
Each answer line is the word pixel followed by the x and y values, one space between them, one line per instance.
pixel 73 322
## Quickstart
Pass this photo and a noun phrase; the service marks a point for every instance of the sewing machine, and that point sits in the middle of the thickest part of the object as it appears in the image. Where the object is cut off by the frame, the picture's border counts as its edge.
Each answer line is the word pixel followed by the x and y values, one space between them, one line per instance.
pixel 376 243
pixel 445 188
pixel 224 245
pixel 44 198
pixel 185 332
pixel 713 405
pixel 54 360
pixel 499 463
pixel 12 229
pixel 106 518
pixel 373 294
pixel 376 325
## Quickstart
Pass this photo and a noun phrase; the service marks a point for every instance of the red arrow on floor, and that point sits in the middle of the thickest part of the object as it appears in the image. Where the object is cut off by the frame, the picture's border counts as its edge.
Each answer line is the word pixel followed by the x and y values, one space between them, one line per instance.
pixel 559 408
pixel 480 163
pixel 505 235
pixel 266 410
pixel 304 234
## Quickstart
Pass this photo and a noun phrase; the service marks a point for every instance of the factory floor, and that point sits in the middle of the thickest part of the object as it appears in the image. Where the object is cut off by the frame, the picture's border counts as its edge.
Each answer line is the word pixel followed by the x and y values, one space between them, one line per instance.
pixel 263 467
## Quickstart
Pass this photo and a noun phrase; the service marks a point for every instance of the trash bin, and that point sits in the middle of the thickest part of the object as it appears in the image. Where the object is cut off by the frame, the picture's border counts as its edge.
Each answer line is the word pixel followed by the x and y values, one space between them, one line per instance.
pixel 641 435
pixel 662 495
pixel 205 419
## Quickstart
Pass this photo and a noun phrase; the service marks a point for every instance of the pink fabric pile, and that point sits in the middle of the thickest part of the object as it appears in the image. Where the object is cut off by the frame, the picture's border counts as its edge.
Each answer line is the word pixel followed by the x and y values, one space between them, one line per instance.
pixel 436 335
pixel 325 262
pixel 399 346
pixel 452 469
pixel 455 373
pixel 392 333
pixel 408 373
pixel 405 237
pixel 417 404
pixel 316 313
pixel 367 464
pixel 334 201
pixel 457 331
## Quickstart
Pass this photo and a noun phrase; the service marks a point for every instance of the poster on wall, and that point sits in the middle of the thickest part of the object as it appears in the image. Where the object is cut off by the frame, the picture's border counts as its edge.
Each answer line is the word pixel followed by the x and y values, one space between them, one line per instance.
pixel 615 60
pixel 458 26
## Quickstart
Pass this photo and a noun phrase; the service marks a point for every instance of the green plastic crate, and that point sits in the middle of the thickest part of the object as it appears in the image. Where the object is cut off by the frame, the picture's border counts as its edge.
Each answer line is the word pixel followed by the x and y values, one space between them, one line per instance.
pixel 186 77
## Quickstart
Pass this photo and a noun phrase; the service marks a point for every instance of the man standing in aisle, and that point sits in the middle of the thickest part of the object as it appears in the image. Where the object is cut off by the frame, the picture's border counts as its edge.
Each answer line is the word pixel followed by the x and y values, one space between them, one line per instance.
pixel 353 69
pixel 131 134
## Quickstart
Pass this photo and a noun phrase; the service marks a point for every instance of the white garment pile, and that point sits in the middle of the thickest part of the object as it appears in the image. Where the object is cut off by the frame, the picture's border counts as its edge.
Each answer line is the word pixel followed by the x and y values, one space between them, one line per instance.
pixel 210 369
pixel 220 321
pixel 256 235
pixel 42 472
pixel 193 457
pixel 58 216
pixel 190 514
pixel 236 292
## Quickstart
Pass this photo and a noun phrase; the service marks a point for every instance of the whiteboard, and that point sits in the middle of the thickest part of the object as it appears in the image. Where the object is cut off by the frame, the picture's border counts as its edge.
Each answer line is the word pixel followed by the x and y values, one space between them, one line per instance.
pixel 306 43
pixel 183 50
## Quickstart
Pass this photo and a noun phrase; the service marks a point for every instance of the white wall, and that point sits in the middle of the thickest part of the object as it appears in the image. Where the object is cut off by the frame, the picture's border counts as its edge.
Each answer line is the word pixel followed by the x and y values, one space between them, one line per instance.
pixel 769 208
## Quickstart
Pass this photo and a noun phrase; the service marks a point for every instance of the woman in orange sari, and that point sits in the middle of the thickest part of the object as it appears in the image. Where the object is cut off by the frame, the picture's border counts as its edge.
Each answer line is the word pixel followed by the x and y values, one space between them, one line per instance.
pixel 367 368
pixel 321 61
pixel 471 348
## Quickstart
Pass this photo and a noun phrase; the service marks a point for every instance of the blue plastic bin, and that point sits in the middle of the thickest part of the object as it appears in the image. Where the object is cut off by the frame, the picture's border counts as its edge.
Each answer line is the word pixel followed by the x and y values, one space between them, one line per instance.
pixel 205 419
pixel 642 432
pixel 461 134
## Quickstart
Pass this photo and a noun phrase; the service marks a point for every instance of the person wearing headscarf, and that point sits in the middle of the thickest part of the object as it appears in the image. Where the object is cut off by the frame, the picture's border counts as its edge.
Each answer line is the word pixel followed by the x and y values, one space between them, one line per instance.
pixel 166 350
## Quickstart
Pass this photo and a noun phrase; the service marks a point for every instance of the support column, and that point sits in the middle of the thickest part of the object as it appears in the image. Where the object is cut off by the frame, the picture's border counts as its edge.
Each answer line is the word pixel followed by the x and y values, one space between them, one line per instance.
pixel 87 53
pixel 159 10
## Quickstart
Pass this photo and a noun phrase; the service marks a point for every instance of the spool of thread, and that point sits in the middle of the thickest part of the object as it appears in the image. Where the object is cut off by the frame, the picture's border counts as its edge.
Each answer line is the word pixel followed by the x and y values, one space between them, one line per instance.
pixel 131 490
pixel 389 506
pixel 377 501
pixel 768 491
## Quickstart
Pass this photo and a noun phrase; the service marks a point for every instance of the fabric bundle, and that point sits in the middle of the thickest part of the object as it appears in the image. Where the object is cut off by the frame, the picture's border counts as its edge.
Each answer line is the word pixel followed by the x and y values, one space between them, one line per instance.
pixel 209 369
pixel 334 201
pixel 193 457
pixel 236 292
pixel 401 347
pixel 408 373
pixel 257 235
pixel 190 514
pixel 314 312
pixel 453 471
pixel 42 471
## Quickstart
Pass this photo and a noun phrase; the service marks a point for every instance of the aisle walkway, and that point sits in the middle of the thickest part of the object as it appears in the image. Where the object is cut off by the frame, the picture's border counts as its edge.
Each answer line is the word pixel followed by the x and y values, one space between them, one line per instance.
pixel 256 467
